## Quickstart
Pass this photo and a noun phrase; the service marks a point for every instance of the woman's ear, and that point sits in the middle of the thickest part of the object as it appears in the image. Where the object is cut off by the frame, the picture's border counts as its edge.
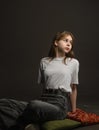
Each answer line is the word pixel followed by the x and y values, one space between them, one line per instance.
pixel 55 43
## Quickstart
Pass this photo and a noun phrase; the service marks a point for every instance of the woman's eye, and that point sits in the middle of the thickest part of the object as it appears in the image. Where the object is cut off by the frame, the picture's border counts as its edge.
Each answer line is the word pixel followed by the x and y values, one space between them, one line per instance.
pixel 66 40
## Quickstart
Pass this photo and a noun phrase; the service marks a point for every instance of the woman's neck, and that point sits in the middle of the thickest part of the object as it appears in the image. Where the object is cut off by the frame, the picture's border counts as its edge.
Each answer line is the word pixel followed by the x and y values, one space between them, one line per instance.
pixel 59 53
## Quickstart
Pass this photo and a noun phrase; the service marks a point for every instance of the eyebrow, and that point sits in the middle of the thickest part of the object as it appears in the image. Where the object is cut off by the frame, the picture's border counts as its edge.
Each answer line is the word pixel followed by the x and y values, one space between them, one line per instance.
pixel 67 39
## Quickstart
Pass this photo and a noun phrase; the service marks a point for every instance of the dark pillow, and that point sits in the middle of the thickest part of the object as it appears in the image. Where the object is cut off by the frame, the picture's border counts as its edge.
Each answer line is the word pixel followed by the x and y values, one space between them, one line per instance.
pixel 65 124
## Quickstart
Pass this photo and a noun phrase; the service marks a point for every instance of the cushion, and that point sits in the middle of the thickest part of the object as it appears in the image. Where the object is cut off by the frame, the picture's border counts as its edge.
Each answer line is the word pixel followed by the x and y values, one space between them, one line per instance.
pixel 84 117
pixel 65 124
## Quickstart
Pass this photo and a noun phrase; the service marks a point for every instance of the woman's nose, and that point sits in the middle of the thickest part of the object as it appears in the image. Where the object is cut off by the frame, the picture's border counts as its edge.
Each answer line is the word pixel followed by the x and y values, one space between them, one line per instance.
pixel 68 44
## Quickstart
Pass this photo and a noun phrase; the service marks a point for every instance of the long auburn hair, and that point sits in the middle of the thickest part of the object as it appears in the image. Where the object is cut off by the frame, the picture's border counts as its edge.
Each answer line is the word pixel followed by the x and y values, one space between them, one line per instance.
pixel 57 37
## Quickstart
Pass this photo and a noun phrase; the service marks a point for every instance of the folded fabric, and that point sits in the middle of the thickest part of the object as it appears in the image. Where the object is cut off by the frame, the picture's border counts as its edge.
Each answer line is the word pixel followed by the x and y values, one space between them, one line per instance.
pixel 65 124
pixel 10 110
pixel 84 117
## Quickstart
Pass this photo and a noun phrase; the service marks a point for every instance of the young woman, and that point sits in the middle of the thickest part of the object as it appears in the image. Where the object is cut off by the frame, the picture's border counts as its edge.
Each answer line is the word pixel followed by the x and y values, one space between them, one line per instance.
pixel 58 73
pixel 60 69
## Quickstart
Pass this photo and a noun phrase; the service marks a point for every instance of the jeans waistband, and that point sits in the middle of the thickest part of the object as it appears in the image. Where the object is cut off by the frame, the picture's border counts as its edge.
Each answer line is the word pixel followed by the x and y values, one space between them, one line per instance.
pixel 59 91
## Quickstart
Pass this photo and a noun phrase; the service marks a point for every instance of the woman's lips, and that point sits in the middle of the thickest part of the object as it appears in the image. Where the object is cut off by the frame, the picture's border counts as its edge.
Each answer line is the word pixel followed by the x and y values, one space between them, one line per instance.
pixel 66 48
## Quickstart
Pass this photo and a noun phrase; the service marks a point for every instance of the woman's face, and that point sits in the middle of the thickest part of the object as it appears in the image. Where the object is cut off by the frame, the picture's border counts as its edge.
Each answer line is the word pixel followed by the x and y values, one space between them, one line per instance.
pixel 65 44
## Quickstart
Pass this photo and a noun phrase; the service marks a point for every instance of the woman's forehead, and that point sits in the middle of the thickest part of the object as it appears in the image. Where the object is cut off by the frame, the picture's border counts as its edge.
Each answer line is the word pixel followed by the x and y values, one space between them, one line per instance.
pixel 67 37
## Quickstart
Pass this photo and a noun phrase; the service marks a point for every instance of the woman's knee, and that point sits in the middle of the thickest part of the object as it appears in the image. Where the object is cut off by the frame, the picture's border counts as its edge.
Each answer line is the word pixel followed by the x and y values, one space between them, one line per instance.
pixel 35 104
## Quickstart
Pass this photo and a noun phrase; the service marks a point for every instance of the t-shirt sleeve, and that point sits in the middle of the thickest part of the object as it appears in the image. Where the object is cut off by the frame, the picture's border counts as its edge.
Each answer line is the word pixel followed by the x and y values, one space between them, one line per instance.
pixel 40 74
pixel 75 79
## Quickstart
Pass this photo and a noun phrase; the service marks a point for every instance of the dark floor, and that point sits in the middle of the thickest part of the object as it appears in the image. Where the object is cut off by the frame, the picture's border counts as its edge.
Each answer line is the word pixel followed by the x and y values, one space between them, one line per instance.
pixel 92 107
pixel 93 127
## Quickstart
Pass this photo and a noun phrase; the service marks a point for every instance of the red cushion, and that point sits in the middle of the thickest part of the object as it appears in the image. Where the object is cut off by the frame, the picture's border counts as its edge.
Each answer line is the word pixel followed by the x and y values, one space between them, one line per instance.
pixel 84 117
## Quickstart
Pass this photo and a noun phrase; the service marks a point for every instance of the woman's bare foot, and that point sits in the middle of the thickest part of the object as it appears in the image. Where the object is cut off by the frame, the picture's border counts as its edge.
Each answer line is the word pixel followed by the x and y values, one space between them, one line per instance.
pixel 32 127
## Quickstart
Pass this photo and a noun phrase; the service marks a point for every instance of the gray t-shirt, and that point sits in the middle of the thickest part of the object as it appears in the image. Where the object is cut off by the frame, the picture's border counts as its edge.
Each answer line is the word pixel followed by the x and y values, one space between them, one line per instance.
pixel 55 74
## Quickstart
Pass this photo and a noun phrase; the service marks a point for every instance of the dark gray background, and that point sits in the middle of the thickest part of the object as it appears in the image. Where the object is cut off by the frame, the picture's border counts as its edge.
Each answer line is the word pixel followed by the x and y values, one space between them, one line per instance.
pixel 27 27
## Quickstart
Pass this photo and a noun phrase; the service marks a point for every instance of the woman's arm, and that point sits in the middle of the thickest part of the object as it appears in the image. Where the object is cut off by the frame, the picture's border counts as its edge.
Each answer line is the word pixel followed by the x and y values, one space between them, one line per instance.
pixel 73 97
